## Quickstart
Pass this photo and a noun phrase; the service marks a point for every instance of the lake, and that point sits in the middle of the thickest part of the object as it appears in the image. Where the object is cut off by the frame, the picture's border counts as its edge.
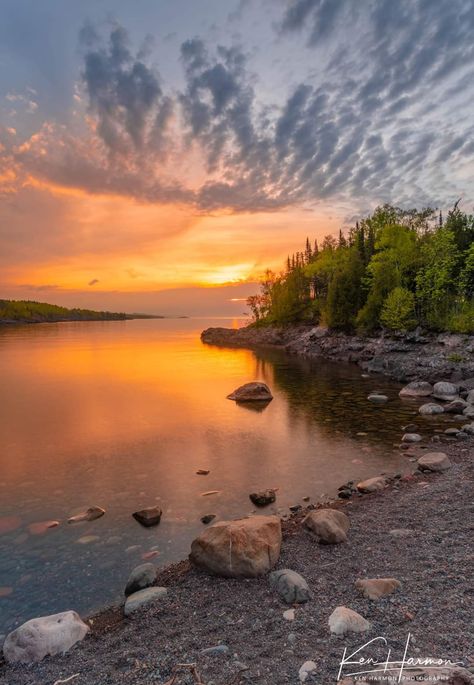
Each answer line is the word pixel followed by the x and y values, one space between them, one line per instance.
pixel 122 414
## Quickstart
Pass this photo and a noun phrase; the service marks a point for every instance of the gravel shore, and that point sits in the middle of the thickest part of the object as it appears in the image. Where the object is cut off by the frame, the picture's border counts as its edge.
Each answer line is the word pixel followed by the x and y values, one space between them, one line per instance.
pixel 258 645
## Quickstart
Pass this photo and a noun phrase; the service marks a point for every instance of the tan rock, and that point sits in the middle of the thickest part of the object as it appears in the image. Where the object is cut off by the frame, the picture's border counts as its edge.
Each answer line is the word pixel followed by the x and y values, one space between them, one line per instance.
pixel 344 620
pixel 434 461
pixel 372 484
pixel 416 389
pixel 375 588
pixel 243 548
pixel 330 525
pixel 252 392
pixel 89 515
pixel 44 636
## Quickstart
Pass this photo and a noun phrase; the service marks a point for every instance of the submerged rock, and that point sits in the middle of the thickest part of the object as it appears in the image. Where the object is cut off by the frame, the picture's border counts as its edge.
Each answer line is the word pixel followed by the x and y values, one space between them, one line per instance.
pixel 151 516
pixel 411 437
pixel 430 408
pixel 329 525
pixel 375 588
pixel 243 548
pixel 252 392
pixel 263 497
pixel 89 514
pixel 377 398
pixel 290 586
pixel 207 518
pixel 141 577
pixel 44 636
pixel 344 620
pixel 417 389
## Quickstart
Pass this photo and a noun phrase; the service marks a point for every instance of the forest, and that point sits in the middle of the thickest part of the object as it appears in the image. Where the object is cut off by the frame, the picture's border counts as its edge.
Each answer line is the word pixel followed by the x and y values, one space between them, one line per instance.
pixel 394 270
pixel 27 311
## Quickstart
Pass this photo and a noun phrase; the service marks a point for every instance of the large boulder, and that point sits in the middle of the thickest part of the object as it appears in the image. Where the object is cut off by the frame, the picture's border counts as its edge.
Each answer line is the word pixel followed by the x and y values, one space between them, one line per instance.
pixel 445 391
pixel 344 620
pixel 430 409
pixel 372 484
pixel 291 587
pixel 89 514
pixel 434 461
pixel 151 516
pixel 375 588
pixel 44 636
pixel 417 389
pixel 252 392
pixel 143 598
pixel 329 525
pixel 141 577
pixel 243 548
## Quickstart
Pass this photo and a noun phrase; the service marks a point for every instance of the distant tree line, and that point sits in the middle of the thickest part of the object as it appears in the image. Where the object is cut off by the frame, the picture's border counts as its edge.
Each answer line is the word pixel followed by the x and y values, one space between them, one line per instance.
pixel 395 269
pixel 26 311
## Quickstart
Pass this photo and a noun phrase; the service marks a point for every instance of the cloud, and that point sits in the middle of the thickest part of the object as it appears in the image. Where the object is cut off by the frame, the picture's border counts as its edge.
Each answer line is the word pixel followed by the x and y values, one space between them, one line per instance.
pixel 94 281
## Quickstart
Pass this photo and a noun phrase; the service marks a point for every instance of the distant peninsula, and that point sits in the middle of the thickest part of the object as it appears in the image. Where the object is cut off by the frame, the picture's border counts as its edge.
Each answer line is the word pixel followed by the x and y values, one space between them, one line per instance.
pixel 27 311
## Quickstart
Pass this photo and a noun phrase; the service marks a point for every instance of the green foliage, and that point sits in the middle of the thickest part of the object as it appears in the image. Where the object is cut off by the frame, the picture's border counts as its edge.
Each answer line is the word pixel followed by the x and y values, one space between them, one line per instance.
pixel 26 311
pixel 398 311
pixel 396 268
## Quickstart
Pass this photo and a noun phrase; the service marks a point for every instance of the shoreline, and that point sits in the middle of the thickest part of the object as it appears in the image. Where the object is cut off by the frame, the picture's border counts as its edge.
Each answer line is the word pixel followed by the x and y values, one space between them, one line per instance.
pixel 245 617
pixel 406 358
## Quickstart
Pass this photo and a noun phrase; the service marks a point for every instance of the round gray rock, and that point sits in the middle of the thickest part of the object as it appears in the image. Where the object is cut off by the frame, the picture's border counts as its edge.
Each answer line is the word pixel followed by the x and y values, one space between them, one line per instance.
pixel 434 461
pixel 144 598
pixel 430 408
pixel 291 587
pixel 141 577
pixel 445 391
pixel 417 389
pixel 411 437
pixel 377 398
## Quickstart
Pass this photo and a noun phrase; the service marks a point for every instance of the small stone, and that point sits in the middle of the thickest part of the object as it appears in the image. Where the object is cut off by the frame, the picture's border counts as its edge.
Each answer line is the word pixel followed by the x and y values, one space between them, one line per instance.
pixel 401 532
pixel 141 577
pixel 377 398
pixel 290 586
pixel 410 428
pixel 455 407
pixel 202 472
pixel 295 507
pixel 430 408
pixel 468 428
pixel 372 484
pixel 151 516
pixel 434 461
pixel 89 515
pixel 451 431
pixel 344 620
pixel 289 615
pixel 411 437
pixel 263 497
pixel 207 518
pixel 143 598
pixel 41 527
pixel 214 651
pixel 306 669
pixel 375 588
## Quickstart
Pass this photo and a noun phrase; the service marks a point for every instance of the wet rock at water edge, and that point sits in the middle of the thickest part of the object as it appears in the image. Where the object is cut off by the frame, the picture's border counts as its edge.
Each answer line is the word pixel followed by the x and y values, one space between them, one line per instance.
pixel 290 586
pixel 329 525
pixel 430 408
pixel 295 507
pixel 468 412
pixel 451 431
pixel 445 391
pixel 151 516
pixel 376 588
pixel 417 389
pixel 344 620
pixel 89 514
pixel 41 527
pixel 377 398
pixel 455 407
pixel 143 598
pixel 242 548
pixel 372 484
pixel 434 461
pixel 410 428
pixel 44 636
pixel 251 392
pixel 411 437
pixel 141 577
pixel 207 518
pixel 468 428
pixel 263 497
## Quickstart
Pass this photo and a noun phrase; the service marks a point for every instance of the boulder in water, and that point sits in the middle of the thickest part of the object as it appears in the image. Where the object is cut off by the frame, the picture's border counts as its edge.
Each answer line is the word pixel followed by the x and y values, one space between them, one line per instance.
pixel 89 514
pixel 251 392
pixel 445 391
pixel 263 497
pixel 417 389
pixel 151 516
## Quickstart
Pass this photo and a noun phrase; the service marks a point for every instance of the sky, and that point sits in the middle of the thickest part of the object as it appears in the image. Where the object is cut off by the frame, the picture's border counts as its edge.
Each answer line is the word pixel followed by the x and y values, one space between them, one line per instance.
pixel 157 156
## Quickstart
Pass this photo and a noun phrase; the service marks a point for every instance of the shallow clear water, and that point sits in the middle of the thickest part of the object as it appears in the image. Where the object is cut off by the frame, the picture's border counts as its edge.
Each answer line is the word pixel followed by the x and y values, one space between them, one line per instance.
pixel 122 414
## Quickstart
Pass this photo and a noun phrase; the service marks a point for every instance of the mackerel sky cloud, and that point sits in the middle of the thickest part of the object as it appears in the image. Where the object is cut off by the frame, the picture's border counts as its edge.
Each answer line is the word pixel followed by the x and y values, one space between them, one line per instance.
pixel 221 120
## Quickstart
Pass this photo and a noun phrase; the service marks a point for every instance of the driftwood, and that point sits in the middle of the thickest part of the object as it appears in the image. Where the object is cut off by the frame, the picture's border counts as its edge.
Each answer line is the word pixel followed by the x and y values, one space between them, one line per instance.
pixel 66 680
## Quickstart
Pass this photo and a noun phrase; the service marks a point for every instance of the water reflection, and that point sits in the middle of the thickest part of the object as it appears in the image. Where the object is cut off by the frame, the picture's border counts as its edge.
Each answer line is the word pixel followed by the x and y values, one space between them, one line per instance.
pixel 122 414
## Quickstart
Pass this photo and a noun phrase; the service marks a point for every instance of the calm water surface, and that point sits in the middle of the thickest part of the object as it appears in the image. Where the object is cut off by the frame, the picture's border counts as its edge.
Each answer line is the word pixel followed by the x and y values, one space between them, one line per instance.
pixel 122 414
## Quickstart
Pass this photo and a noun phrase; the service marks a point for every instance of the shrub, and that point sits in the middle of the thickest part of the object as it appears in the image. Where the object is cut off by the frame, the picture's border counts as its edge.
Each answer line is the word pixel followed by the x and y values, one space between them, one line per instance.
pixel 398 311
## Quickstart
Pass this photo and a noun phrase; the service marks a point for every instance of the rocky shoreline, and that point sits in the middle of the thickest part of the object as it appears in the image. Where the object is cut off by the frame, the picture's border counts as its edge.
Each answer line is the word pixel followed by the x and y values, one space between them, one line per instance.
pixel 415 356
pixel 241 631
